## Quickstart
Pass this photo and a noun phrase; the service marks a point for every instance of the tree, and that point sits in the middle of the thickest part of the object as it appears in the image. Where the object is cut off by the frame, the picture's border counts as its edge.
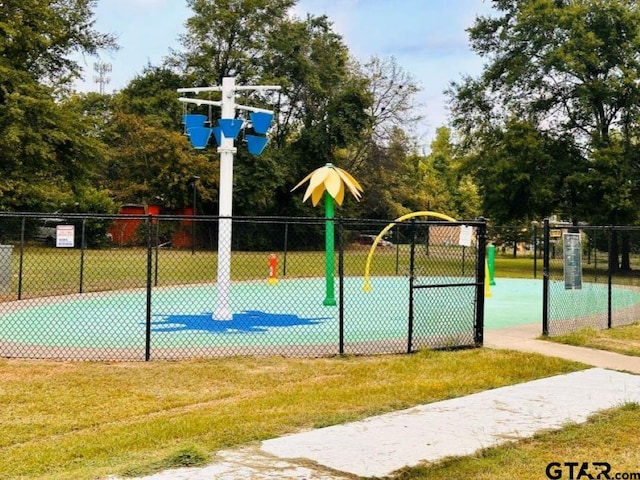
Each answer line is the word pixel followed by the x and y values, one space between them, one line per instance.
pixel 524 174
pixel 152 95
pixel 47 154
pixel 38 38
pixel 457 190
pixel 150 164
pixel 393 106
pixel 228 37
pixel 570 70
pixel 320 108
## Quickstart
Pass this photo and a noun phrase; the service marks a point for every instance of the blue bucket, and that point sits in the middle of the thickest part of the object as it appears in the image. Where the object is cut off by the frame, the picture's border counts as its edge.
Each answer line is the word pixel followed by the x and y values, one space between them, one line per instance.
pixel 199 137
pixel 230 127
pixel 261 121
pixel 193 120
pixel 256 144
pixel 217 134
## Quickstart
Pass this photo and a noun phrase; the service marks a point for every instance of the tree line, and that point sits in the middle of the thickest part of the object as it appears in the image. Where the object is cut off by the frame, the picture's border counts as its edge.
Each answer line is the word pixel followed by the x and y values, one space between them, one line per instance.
pixel 549 127
pixel 64 151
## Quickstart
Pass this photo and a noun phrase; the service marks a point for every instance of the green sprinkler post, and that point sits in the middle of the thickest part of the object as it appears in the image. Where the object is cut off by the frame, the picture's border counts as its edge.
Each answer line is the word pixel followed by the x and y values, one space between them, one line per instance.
pixel 491 263
pixel 329 260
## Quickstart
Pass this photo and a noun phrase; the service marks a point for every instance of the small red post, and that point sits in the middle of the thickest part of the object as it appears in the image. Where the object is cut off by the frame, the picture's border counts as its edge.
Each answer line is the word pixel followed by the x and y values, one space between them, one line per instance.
pixel 273 269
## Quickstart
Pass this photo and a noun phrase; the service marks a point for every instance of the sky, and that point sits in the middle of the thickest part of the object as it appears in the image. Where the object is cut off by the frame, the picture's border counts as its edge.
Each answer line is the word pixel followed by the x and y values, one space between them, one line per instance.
pixel 426 37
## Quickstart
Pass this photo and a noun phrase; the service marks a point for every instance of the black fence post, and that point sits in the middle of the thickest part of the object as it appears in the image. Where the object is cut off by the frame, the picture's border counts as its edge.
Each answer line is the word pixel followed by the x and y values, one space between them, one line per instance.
pixel 21 266
pixel 147 349
pixel 545 279
pixel 480 282
pixel 610 274
pixel 83 246
pixel 411 275
pixel 535 250
pixel 156 249
pixel 284 248
pixel 341 285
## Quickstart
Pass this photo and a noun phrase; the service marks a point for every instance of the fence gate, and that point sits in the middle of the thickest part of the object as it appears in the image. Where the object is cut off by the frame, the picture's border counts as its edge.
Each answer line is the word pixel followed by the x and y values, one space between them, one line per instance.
pixel 446 277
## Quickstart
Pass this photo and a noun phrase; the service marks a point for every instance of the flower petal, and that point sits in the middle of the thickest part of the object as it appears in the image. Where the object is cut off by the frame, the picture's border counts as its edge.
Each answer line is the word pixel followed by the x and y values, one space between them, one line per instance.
pixel 333 183
pixel 303 180
pixel 340 196
pixel 317 194
pixel 318 177
pixel 351 183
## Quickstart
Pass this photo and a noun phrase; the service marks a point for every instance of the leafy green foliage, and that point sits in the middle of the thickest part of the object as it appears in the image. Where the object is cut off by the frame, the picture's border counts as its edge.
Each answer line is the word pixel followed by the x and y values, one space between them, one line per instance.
pixel 48 154
pixel 568 71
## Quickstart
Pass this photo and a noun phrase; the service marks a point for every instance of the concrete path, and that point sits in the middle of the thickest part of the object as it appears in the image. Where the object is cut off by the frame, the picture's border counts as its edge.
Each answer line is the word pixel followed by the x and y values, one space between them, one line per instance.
pixel 523 338
pixel 380 445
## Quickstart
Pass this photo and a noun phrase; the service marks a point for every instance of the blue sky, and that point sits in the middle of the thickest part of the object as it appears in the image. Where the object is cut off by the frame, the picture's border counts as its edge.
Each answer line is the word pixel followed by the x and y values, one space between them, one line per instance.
pixel 427 38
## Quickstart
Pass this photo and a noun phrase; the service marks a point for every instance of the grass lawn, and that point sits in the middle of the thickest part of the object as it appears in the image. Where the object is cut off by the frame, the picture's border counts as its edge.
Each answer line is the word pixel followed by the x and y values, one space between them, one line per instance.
pixel 84 420
pixel 63 420
pixel 624 340
pixel 610 437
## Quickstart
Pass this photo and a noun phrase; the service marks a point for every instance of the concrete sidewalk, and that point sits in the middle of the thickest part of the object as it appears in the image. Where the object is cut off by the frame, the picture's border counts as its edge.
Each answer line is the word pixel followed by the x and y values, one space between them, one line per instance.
pixel 380 445
pixel 523 338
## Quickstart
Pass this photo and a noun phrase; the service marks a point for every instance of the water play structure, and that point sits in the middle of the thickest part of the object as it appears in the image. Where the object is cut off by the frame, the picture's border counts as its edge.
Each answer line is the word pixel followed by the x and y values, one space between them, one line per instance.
pixel 329 182
pixel 367 284
pixel 225 134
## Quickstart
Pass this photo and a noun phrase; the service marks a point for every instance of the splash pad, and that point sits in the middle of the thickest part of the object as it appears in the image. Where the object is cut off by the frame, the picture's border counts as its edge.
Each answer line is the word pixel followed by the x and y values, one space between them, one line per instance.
pixel 181 316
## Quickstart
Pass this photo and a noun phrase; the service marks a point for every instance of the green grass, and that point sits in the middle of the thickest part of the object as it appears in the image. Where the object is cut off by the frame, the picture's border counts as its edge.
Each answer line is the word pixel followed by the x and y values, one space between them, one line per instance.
pixel 624 340
pixel 610 437
pixel 63 420
pixel 88 420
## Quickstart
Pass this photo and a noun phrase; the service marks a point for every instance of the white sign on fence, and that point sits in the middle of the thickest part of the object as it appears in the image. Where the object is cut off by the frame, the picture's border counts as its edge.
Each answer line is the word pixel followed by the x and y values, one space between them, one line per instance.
pixel 466 232
pixel 65 236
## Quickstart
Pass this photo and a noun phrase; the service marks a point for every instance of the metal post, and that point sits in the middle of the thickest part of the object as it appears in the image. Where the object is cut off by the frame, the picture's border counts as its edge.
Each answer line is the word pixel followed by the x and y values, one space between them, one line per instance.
pixel 193 219
pixel 83 245
pixel 147 344
pixel 226 150
pixel 535 251
pixel 341 286
pixel 330 299
pixel 609 277
pixel 545 279
pixel 411 275
pixel 21 267
pixel 286 241
pixel 480 282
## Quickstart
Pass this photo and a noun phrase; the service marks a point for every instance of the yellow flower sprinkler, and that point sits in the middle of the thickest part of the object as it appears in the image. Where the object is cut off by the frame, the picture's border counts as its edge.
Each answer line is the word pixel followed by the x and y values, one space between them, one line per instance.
pixel 330 181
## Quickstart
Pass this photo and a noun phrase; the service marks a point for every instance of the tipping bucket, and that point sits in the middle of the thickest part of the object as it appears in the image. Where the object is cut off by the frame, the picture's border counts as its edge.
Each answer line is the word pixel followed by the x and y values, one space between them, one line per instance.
pixel 261 121
pixel 230 126
pixel 217 135
pixel 199 137
pixel 193 120
pixel 256 144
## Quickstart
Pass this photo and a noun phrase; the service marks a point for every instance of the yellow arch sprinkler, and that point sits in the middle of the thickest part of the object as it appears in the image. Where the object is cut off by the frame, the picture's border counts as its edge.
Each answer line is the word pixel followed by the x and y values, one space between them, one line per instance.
pixel 330 181
pixel 367 283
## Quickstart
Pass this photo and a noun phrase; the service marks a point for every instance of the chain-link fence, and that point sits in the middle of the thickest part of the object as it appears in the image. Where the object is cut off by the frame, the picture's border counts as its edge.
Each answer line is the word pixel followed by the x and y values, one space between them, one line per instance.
pixel 519 241
pixel 447 275
pixel 591 277
pixel 140 287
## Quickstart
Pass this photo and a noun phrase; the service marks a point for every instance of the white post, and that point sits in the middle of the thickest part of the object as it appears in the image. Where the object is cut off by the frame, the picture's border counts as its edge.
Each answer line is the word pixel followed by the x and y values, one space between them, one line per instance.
pixel 227 151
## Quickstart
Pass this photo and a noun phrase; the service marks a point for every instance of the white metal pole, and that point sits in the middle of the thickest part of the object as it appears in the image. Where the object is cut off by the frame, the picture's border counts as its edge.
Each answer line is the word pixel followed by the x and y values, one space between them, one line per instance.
pixel 227 150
